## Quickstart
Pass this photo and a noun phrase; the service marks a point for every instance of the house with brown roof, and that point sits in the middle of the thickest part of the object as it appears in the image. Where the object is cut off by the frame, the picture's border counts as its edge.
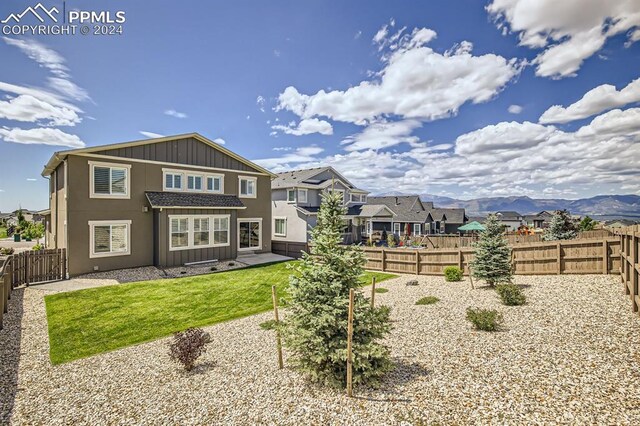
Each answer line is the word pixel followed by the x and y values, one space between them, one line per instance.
pixel 166 201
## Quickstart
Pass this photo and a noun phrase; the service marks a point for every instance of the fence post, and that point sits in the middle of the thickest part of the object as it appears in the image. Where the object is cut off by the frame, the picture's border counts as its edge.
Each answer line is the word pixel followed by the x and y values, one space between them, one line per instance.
pixel 417 262
pixel 373 292
pixel 274 297
pixel 6 292
pixel 460 259
pixel 27 269
pixel 632 261
pixel 605 257
pixel 3 302
pixel 559 258
pixel 623 261
pixel 349 344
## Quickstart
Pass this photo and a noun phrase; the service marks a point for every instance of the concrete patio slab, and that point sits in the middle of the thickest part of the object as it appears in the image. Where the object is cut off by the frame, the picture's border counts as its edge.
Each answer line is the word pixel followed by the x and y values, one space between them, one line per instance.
pixel 262 258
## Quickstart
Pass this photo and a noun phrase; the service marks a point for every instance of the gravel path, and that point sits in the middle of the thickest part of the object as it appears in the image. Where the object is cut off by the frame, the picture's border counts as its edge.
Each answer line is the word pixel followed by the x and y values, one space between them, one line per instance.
pixel 570 356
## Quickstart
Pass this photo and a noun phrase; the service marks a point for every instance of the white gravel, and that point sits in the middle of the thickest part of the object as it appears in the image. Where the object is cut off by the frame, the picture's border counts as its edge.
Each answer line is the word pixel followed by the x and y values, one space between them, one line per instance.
pixel 570 356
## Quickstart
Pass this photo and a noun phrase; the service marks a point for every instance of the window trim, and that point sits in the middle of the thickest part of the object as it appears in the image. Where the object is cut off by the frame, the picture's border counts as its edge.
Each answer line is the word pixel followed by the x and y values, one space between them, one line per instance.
pixel 255 187
pixel 194 176
pixel 127 186
pixel 399 228
pixel 190 240
pixel 249 219
pixel 94 223
pixel 306 196
pixel 275 234
pixel 295 195
pixel 213 176
pixel 173 173
pixel 419 229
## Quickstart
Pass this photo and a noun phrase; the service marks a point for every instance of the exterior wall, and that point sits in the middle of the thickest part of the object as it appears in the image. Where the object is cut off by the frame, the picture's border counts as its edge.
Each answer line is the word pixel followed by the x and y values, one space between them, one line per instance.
pixel 145 176
pixel 58 203
pixel 512 225
pixel 168 258
pixel 297 223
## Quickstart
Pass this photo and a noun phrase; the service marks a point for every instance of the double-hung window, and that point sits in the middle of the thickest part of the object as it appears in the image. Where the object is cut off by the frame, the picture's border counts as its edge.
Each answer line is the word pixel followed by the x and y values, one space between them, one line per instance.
pixel 109 238
pixel 302 195
pixel 214 183
pixel 173 181
pixel 280 226
pixel 109 180
pixel 417 229
pixel 194 182
pixel 291 195
pixel 248 187
pixel 198 231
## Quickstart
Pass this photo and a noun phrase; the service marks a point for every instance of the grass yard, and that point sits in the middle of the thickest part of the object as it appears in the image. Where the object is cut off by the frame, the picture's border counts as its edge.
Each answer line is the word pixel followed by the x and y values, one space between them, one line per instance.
pixel 92 321
pixel 3 232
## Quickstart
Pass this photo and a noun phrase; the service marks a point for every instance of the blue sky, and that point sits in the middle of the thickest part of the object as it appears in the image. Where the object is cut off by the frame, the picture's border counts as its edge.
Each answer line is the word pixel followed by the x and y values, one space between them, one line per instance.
pixel 442 97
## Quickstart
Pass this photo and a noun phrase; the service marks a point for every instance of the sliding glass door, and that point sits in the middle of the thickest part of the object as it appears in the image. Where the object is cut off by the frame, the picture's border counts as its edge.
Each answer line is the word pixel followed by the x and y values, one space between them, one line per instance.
pixel 249 234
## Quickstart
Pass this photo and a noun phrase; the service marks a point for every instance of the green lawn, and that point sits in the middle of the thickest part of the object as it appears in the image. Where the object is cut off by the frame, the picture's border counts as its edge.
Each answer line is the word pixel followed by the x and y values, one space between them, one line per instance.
pixel 92 321
pixel 3 232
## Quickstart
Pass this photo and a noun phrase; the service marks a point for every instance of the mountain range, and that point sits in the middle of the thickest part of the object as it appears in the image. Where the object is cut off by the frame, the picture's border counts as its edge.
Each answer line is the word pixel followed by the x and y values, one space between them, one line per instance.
pixel 600 206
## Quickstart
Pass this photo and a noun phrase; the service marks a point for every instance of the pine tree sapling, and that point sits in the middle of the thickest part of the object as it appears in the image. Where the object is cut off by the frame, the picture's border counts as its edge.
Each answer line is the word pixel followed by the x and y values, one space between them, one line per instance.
pixel 315 328
pixel 492 260
pixel 587 224
pixel 561 227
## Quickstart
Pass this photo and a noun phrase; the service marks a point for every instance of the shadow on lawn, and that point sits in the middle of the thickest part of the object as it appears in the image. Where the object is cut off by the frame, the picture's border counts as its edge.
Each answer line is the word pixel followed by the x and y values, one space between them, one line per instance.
pixel 10 337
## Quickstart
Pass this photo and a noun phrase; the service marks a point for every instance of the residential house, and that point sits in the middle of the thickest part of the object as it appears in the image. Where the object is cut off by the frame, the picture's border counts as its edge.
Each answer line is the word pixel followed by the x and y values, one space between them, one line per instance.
pixel 296 197
pixel 539 220
pixel 165 201
pixel 421 216
pixel 511 220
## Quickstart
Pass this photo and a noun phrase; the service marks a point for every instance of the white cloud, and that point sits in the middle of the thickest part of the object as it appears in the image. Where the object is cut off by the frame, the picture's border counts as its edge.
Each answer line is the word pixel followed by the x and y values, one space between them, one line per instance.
pixel 219 141
pixel 416 82
pixel 31 179
pixel 595 101
pixel 176 114
pixel 569 31
pixel 41 136
pixel 300 155
pixel 282 148
pixel 69 89
pixel 47 58
pixel 28 108
pixel 515 109
pixel 260 102
pixel 357 35
pixel 41 94
pixel 150 135
pixel 382 135
pixel 504 136
pixel 306 127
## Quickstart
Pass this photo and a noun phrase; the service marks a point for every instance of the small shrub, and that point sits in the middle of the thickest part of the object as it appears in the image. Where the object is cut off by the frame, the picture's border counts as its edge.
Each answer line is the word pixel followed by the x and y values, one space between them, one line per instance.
pixel 484 319
pixel 391 240
pixel 187 346
pixel 452 273
pixel 511 294
pixel 37 247
pixel 213 268
pixel 268 325
pixel 382 290
pixel 429 300
pixel 231 264
pixel 7 250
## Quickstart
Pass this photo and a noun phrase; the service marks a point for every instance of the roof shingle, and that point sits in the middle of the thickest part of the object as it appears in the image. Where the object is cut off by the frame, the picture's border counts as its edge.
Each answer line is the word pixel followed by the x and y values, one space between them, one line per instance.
pixel 188 199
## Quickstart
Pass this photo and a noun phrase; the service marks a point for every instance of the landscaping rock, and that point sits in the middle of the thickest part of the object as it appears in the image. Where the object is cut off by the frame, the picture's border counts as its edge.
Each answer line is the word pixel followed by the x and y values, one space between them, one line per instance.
pixel 412 283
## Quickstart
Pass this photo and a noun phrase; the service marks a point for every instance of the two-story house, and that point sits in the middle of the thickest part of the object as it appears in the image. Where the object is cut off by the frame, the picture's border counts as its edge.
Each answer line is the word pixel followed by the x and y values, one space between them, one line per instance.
pixel 511 220
pixel 296 197
pixel 166 201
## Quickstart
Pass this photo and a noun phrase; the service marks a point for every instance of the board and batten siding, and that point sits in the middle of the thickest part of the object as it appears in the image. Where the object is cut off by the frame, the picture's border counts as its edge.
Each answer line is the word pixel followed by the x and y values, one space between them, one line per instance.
pixel 168 258
pixel 189 151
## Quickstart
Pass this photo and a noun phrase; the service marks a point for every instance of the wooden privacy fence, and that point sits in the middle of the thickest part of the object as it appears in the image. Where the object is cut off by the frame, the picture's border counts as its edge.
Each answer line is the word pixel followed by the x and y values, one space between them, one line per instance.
pixel 30 267
pixel 629 263
pixel 289 248
pixel 552 257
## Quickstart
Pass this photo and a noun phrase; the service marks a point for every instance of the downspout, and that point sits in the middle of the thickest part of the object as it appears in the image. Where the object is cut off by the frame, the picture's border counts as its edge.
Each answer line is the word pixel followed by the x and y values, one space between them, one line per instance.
pixel 66 204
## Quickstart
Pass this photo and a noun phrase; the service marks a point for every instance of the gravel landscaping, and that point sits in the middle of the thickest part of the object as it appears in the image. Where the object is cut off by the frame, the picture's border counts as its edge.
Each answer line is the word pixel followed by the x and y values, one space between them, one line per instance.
pixel 569 356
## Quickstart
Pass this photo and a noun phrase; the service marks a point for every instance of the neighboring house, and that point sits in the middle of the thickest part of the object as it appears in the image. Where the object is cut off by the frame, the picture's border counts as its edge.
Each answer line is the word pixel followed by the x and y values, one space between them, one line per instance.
pixel 540 220
pixel 422 217
pixel 166 201
pixel 511 220
pixel 620 223
pixel 296 197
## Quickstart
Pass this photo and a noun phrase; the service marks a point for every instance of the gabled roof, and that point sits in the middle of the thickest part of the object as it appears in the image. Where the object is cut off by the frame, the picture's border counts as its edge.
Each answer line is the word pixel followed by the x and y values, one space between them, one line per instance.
pixel 304 178
pixel 371 210
pixel 59 156
pixel 407 208
pixel 193 200
pixel 509 215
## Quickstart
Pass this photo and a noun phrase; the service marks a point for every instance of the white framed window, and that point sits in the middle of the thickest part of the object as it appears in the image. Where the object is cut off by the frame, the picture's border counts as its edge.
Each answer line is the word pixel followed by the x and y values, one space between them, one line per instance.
pixel 173 181
pixel 358 198
pixel 194 182
pixel 198 231
pixel 109 238
pixel 280 226
pixel 396 228
pixel 109 180
pixel 291 195
pixel 302 195
pixel 248 187
pixel 215 183
pixel 417 229
pixel 442 227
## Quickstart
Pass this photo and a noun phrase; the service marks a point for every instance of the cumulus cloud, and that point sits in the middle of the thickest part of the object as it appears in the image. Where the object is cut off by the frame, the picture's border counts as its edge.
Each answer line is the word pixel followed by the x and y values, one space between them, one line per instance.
pixel 286 161
pixel 415 83
pixel 219 141
pixel 515 109
pixel 150 135
pixel 28 108
pixel 174 113
pixel 595 101
pixel 306 127
pixel 41 136
pixel 382 135
pixel 568 31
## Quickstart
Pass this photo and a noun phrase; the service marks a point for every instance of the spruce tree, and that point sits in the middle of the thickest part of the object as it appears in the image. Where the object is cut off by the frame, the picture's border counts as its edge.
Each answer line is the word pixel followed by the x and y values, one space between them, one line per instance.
pixel 561 227
pixel 315 328
pixel 492 261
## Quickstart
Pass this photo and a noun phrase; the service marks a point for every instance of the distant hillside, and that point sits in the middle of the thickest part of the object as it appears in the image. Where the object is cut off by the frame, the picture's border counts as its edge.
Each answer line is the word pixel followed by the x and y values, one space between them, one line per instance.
pixel 618 206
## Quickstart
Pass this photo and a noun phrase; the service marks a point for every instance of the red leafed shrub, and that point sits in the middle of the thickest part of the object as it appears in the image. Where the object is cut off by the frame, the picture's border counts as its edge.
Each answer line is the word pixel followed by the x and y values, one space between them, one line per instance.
pixel 187 346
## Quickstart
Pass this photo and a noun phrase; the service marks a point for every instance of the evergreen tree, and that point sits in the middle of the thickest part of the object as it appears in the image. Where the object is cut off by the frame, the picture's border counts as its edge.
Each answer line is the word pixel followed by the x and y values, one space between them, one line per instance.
pixel 315 328
pixel 561 227
pixel 492 261
pixel 587 224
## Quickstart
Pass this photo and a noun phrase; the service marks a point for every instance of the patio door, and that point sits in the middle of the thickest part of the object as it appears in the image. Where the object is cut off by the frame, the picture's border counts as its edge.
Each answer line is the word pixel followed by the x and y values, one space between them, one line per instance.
pixel 249 234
